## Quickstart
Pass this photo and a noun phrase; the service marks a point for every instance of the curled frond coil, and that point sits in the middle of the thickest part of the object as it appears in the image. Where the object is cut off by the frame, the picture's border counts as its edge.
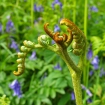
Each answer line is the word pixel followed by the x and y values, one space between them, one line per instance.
pixel 79 40
pixel 28 45
pixel 44 40
pixel 75 35
pixel 62 40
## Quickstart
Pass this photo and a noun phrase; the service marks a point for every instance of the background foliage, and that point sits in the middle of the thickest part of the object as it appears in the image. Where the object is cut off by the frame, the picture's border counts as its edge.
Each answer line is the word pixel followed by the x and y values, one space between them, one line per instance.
pixel 46 80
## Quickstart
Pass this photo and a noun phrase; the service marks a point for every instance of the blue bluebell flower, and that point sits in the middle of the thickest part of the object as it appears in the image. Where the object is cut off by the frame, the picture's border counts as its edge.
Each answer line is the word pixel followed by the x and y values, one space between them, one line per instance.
pixel 35 8
pixel 57 66
pixel 37 20
pixel 38 8
pixel 94 9
pixel 56 28
pixel 102 72
pixel 95 62
pixel 89 100
pixel 14 45
pixel 89 54
pixel 72 96
pixel 87 90
pixel 84 88
pixel 33 56
pixel 57 2
pixel 0 28
pixel 15 86
pixel 9 26
pixel 91 72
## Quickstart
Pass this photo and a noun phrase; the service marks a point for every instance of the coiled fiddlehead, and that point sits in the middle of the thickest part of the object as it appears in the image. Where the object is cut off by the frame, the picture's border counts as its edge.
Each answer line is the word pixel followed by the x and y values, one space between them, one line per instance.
pixel 63 40
pixel 28 46
pixel 44 40
pixel 79 40
pixel 75 35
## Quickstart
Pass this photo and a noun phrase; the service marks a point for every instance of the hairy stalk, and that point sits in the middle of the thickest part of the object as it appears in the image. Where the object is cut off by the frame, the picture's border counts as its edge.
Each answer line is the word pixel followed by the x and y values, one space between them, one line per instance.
pixel 76 76
pixel 69 61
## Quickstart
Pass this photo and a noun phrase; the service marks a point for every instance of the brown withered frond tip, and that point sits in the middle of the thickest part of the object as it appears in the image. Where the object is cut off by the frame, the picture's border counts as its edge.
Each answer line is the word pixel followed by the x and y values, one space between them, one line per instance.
pixel 63 40
pixel 75 35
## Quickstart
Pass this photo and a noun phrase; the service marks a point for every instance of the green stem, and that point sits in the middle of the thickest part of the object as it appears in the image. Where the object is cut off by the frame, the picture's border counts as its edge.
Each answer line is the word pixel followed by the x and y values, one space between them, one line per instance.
pixel 76 76
pixel 17 2
pixel 85 17
pixel 97 83
pixel 86 69
pixel 74 11
pixel 69 61
pixel 32 14
pixel 64 9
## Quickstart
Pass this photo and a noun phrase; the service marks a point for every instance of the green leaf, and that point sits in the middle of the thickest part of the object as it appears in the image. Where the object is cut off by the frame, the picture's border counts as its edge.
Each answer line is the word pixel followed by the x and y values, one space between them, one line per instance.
pixel 47 91
pixel 52 93
pixel 60 90
pixel 1 90
pixel 44 69
pixel 96 102
pixel 41 91
pixel 2 76
pixel 69 81
pixel 3 36
pixel 38 102
pixel 30 93
pixel 30 101
pixel 65 98
pixel 5 15
pixel 60 83
pixel 34 64
pixel 4 100
pixel 97 89
pixel 53 76
pixel 5 47
pixel 103 99
pixel 96 44
pixel 47 101
pixel 48 56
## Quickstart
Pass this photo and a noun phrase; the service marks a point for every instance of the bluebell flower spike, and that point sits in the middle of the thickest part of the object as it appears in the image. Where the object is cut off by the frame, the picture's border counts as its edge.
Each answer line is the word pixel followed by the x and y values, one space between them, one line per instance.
pixel 15 86
pixel 14 45
pixel 95 62
pixel 1 28
pixel 57 2
pixel 9 26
